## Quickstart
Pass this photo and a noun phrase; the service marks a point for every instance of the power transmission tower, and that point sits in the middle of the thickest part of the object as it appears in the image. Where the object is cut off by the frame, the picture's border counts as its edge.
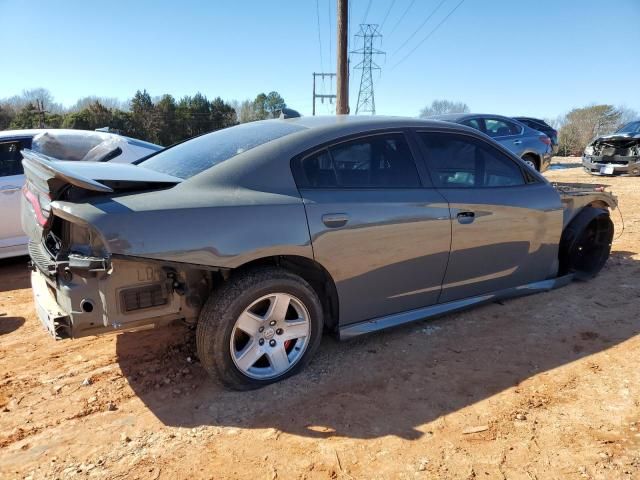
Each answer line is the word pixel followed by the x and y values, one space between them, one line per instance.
pixel 330 97
pixel 369 34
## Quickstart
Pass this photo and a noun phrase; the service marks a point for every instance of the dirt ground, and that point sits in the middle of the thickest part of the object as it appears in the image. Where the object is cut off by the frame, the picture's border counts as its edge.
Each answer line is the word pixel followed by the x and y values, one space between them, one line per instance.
pixel 542 387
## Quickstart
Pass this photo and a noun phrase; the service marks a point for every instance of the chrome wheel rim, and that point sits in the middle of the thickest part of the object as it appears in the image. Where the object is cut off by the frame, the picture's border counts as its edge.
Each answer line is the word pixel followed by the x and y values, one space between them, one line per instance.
pixel 270 336
pixel 531 163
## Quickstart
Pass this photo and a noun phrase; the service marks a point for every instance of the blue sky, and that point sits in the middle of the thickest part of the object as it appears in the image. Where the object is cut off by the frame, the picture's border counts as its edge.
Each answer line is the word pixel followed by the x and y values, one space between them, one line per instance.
pixel 538 58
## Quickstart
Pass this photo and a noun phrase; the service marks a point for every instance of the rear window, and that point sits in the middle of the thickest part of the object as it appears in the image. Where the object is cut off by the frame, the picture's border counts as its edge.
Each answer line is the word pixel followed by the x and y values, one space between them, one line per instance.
pixel 201 153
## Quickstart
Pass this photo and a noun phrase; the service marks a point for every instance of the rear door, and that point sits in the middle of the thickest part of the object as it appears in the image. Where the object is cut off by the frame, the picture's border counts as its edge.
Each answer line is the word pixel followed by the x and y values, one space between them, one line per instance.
pixel 506 223
pixel 376 224
pixel 11 182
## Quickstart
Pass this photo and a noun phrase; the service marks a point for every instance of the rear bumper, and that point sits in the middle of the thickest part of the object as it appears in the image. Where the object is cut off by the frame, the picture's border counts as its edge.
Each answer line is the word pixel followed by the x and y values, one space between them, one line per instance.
pixel 617 165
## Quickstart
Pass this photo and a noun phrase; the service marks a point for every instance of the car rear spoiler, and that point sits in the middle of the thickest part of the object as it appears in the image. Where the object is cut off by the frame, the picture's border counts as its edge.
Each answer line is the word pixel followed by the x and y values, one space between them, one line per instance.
pixel 103 177
pixel 35 161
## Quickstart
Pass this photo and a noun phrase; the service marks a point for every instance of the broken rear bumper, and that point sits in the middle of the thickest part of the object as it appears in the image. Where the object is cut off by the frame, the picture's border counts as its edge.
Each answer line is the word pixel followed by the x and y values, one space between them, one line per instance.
pixel 56 321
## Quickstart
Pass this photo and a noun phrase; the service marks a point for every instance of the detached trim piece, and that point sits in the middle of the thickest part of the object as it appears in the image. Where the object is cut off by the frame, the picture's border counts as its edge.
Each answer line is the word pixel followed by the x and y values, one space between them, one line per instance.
pixel 350 331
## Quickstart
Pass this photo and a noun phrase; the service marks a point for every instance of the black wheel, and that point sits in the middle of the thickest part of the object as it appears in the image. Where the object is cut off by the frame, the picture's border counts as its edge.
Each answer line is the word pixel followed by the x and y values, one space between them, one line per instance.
pixel 532 161
pixel 258 328
pixel 586 244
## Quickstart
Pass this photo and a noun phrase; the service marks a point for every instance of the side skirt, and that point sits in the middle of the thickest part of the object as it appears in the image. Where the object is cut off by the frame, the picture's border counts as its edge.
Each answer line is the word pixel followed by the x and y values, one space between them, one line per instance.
pixel 369 326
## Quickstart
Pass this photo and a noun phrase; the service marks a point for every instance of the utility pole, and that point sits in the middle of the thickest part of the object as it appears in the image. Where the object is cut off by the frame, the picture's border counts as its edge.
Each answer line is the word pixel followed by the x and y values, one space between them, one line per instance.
pixel 366 100
pixel 330 97
pixel 41 111
pixel 342 84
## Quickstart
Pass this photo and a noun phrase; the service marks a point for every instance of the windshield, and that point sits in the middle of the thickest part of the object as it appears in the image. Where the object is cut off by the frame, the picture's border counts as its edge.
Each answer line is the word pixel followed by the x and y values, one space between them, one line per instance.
pixel 201 153
pixel 633 127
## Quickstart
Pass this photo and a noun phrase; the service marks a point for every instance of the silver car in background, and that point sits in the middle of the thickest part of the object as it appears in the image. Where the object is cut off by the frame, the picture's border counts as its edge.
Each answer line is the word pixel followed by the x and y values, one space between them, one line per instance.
pixel 532 146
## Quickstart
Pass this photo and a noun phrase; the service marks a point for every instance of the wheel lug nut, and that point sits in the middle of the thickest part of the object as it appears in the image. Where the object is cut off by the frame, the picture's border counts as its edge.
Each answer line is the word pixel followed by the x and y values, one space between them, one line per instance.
pixel 272 343
pixel 279 331
pixel 272 323
pixel 261 329
pixel 261 341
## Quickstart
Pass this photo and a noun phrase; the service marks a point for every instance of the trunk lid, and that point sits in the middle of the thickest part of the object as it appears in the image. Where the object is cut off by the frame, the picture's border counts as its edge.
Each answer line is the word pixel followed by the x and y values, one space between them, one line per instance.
pixel 48 179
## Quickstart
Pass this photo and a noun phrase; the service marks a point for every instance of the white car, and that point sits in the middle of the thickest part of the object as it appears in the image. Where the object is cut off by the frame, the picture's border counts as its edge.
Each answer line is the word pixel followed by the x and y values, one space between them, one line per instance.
pixel 63 144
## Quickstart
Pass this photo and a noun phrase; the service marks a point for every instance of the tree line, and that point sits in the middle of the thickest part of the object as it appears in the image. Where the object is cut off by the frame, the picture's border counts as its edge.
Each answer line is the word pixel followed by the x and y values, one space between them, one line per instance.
pixel 162 120
pixel 576 128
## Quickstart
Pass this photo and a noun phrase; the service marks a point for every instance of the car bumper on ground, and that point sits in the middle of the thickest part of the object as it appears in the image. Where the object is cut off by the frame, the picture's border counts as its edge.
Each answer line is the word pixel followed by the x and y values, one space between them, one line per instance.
pixel 615 165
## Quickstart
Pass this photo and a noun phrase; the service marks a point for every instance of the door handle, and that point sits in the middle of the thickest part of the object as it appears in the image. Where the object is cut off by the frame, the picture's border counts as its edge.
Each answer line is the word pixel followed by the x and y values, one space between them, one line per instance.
pixel 517 142
pixel 9 188
pixel 335 220
pixel 465 218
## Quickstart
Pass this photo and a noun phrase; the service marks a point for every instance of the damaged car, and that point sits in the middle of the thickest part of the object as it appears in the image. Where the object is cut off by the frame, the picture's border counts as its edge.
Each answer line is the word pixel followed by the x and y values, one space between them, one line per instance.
pixel 615 154
pixel 266 234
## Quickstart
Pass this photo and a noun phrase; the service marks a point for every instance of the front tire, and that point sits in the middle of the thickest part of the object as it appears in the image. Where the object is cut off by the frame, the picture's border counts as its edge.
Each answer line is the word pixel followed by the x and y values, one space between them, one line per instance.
pixel 260 327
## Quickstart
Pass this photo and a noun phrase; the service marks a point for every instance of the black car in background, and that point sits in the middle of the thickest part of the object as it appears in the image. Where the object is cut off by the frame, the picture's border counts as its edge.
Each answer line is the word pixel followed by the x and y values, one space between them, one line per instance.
pixel 543 127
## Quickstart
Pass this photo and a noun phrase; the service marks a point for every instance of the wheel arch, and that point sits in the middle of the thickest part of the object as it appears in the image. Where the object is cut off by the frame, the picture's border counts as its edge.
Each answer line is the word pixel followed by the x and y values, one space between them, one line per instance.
pixel 535 157
pixel 312 272
pixel 594 216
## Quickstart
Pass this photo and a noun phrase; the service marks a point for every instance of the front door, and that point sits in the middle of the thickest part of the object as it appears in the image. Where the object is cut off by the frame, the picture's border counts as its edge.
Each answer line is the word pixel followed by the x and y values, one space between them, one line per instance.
pixel 382 235
pixel 11 181
pixel 506 223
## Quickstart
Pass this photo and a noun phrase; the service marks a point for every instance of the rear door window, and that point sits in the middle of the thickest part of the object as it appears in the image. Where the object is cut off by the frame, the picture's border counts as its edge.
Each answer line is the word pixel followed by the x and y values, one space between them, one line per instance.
pixel 378 161
pixel 458 161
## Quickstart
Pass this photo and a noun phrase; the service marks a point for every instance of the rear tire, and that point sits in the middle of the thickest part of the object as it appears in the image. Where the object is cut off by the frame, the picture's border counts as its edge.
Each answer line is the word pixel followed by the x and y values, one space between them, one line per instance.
pixel 260 327
pixel 531 161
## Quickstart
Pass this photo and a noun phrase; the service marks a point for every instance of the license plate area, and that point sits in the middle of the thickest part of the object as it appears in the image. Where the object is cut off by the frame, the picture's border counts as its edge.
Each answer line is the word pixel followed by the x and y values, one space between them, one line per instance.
pixel 606 169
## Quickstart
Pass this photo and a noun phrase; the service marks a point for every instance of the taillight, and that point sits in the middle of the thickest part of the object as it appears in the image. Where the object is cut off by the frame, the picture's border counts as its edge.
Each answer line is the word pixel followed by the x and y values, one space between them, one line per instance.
pixel 544 139
pixel 40 201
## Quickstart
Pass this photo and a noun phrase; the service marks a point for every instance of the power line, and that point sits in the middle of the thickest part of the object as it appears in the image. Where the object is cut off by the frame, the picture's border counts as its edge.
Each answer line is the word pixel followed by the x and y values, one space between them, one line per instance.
pixel 387 14
pixel 319 35
pixel 330 34
pixel 366 12
pixel 429 34
pixel 402 16
pixel 433 12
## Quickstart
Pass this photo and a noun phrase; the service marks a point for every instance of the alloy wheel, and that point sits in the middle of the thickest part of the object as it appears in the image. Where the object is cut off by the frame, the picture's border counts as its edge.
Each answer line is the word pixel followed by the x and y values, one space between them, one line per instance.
pixel 270 336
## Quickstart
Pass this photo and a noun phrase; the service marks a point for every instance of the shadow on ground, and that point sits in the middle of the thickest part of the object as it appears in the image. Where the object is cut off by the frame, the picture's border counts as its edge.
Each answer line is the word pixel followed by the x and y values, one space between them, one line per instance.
pixel 564 165
pixel 392 382
pixel 15 274
pixel 10 324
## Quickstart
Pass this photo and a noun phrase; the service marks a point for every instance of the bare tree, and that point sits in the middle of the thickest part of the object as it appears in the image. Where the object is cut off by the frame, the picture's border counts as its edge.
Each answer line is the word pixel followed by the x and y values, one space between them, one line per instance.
pixel 441 107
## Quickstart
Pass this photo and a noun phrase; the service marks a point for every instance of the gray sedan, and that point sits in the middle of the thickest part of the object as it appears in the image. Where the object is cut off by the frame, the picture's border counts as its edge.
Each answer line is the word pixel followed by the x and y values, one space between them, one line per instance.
pixel 532 146
pixel 267 233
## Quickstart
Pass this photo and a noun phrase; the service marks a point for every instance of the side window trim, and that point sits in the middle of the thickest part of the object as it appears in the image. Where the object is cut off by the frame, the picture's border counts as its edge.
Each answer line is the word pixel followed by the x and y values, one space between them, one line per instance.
pixel 300 174
pixel 425 155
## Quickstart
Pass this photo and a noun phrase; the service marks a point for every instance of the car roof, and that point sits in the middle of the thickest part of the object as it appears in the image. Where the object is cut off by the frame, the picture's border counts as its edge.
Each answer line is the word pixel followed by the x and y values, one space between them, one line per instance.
pixel 456 117
pixel 373 122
